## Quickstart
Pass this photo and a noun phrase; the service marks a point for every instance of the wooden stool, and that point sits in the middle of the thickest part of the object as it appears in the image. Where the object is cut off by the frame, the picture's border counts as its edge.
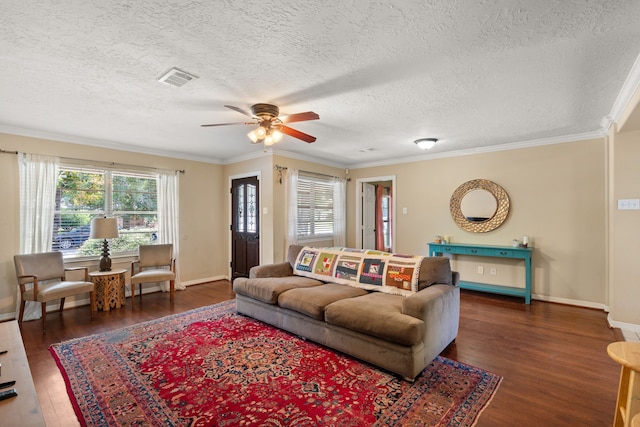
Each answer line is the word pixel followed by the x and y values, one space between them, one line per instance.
pixel 627 354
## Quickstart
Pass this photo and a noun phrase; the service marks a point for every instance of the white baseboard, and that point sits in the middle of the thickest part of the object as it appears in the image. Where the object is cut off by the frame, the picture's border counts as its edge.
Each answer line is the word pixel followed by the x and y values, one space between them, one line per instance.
pixel 632 327
pixel 566 301
pixel 612 323
pixel 204 280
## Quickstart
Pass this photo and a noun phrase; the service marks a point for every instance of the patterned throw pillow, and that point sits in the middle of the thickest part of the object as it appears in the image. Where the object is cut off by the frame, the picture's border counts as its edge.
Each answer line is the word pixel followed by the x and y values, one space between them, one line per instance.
pixel 372 270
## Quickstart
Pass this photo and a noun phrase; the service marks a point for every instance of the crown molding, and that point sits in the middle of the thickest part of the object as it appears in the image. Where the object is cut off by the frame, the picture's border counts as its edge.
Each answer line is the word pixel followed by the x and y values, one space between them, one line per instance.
pixel 302 157
pixel 629 88
pixel 490 149
pixel 72 139
pixel 249 156
pixel 282 153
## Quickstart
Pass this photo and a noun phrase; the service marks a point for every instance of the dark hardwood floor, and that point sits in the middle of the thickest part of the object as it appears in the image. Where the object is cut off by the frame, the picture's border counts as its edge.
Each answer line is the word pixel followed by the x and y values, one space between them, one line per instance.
pixel 553 357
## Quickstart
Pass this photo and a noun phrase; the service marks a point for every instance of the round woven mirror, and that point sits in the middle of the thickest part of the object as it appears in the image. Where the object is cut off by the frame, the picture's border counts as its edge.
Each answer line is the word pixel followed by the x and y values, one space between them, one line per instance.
pixel 479 205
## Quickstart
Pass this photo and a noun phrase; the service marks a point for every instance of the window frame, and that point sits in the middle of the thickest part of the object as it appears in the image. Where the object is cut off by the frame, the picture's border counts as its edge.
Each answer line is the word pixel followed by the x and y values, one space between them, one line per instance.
pixel 107 208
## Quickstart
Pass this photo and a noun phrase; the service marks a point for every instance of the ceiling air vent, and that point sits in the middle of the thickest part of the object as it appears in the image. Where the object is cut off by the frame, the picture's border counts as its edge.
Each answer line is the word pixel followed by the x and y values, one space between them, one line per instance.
pixel 176 78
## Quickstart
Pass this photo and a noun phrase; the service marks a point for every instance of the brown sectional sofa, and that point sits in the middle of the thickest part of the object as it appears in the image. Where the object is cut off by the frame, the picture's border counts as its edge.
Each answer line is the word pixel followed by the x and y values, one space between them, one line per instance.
pixel 402 334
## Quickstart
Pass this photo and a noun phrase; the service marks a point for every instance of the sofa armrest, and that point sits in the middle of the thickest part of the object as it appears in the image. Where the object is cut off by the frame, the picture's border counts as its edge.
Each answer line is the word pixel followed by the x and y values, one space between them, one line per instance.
pixel 421 303
pixel 282 269
pixel 455 278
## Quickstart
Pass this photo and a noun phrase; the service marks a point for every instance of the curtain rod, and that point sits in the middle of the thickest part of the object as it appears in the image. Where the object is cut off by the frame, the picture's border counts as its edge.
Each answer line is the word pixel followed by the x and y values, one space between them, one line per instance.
pixel 98 162
pixel 284 168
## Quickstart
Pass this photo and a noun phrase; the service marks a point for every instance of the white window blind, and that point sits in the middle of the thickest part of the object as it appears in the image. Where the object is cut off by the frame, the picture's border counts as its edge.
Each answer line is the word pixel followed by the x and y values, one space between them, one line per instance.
pixel 315 206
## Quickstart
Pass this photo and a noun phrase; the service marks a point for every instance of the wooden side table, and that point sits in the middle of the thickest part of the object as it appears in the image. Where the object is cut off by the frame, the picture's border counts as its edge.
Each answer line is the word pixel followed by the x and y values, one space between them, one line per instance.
pixel 109 288
pixel 627 354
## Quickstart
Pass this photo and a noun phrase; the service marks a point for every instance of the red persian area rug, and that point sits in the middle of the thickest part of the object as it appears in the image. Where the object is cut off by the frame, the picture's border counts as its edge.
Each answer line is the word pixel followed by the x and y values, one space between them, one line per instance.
pixel 213 367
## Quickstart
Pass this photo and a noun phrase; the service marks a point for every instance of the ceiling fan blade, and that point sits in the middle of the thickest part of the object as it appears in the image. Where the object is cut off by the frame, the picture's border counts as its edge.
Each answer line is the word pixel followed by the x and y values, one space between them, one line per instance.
pixel 296 134
pixel 226 124
pixel 299 117
pixel 239 110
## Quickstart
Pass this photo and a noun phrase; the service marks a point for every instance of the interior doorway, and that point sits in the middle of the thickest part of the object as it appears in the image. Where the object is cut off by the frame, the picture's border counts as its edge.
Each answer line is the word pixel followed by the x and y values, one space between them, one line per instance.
pixel 375 213
pixel 245 225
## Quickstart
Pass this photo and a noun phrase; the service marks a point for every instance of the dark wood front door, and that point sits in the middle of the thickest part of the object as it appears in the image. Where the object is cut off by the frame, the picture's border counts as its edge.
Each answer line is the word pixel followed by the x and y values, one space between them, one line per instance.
pixel 245 226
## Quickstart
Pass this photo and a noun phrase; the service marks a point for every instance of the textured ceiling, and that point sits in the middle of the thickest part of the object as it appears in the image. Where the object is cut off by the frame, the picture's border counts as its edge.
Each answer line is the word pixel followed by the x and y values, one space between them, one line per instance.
pixel 379 73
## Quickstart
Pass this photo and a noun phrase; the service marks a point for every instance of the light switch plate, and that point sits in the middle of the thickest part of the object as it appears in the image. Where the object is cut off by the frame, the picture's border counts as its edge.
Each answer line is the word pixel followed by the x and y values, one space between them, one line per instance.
pixel 628 204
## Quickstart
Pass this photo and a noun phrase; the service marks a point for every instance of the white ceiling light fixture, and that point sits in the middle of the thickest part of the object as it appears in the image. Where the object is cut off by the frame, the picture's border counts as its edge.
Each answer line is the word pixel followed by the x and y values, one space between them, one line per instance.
pixel 176 78
pixel 426 143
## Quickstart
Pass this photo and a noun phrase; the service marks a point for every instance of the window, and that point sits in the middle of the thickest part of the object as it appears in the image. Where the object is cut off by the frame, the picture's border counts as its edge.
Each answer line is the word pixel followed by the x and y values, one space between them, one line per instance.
pixel 315 206
pixel 386 229
pixel 83 194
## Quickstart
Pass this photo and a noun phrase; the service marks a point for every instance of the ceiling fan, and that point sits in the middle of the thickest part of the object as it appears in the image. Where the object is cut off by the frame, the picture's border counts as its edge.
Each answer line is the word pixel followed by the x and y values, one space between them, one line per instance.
pixel 271 126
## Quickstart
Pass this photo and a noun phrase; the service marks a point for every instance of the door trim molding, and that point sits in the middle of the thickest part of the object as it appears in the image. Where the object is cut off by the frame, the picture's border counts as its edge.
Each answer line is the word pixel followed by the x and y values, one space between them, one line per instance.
pixel 359 182
pixel 257 174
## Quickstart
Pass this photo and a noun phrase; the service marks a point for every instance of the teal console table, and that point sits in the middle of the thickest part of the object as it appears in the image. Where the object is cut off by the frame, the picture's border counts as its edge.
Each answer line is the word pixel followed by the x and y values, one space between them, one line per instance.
pixel 438 249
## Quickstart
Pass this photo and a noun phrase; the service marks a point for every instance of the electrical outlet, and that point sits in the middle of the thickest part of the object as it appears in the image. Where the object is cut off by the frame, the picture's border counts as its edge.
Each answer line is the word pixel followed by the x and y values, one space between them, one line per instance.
pixel 493 271
pixel 480 269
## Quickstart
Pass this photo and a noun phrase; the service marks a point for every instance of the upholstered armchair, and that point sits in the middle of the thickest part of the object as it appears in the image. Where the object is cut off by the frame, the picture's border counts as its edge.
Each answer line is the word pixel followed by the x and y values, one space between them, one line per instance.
pixel 47 275
pixel 155 264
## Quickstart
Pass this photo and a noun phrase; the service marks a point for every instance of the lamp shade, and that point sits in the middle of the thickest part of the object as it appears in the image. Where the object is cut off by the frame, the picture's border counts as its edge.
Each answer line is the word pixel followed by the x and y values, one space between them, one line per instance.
pixel 104 228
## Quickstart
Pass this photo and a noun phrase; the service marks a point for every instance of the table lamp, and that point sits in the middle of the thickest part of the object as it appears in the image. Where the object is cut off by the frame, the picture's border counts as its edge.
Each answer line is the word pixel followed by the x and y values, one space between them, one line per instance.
pixel 104 228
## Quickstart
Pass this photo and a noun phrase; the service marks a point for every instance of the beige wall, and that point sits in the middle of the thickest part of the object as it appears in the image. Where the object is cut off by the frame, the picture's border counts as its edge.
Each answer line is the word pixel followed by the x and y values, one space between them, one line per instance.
pixel 625 230
pixel 202 257
pixel 557 195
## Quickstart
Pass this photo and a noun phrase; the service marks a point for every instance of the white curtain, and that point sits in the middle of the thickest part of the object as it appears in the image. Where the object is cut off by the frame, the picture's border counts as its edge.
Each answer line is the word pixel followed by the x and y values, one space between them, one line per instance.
pixel 38 176
pixel 339 212
pixel 169 219
pixel 291 197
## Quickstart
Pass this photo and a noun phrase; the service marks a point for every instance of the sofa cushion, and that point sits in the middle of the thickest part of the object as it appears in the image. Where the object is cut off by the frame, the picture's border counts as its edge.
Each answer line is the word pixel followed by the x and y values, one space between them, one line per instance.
pixel 434 270
pixel 379 315
pixel 312 301
pixel 267 289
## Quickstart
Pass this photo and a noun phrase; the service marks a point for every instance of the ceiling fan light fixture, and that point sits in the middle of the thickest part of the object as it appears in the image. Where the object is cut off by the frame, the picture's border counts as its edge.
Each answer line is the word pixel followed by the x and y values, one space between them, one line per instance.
pixel 426 143
pixel 253 136
pixel 276 135
pixel 261 132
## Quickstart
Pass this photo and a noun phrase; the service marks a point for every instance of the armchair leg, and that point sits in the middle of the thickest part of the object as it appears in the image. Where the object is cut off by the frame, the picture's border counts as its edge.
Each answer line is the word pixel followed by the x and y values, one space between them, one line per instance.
pixel 172 288
pixel 22 304
pixel 61 304
pixel 44 316
pixel 92 299
pixel 140 289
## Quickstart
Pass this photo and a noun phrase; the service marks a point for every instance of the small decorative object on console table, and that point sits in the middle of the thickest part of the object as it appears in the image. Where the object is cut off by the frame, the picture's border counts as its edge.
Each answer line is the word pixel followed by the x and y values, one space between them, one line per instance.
pixel 109 287
pixel 514 252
